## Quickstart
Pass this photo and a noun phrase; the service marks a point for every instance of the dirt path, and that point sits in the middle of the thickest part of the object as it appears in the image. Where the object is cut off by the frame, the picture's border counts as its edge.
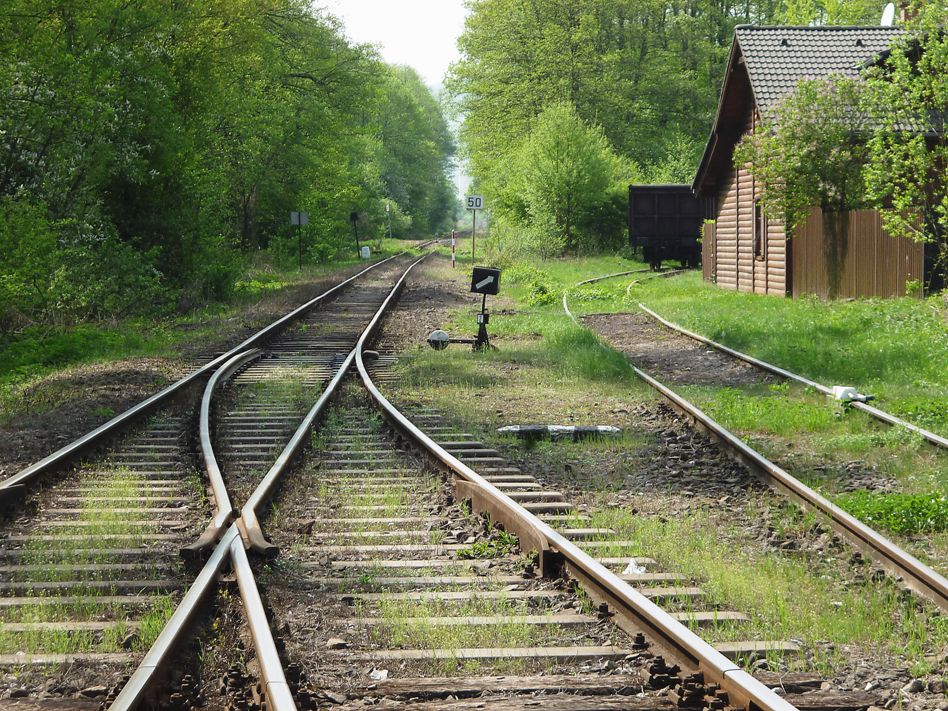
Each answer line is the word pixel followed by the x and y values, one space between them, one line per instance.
pixel 670 356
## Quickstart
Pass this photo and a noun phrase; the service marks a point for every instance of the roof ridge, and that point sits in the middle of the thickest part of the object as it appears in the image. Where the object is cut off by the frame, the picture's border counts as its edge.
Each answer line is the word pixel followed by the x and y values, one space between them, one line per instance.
pixel 821 28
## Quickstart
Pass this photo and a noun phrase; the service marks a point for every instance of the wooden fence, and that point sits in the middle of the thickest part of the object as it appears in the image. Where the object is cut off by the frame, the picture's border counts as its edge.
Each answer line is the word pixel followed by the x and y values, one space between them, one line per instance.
pixel 876 264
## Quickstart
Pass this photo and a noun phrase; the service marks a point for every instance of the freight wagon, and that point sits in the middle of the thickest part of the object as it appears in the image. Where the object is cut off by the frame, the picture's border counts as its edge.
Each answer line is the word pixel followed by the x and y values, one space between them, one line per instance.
pixel 665 223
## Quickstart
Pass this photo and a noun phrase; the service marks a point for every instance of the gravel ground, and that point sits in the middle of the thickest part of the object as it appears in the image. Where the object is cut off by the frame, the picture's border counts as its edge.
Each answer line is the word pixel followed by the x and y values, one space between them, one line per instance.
pixel 670 356
pixel 63 406
pixel 677 471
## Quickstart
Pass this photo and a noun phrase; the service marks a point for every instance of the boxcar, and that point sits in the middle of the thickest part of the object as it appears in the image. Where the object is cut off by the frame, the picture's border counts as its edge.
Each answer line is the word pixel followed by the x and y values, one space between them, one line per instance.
pixel 665 223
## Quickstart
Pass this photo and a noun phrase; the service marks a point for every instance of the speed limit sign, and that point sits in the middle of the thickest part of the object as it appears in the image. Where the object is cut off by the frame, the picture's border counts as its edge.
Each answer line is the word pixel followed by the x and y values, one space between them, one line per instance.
pixel 475 202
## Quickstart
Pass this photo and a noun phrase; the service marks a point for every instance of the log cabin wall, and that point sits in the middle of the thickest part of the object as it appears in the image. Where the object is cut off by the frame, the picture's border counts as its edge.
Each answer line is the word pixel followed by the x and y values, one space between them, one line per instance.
pixel 739 264
pixel 745 230
pixel 725 234
pixel 709 259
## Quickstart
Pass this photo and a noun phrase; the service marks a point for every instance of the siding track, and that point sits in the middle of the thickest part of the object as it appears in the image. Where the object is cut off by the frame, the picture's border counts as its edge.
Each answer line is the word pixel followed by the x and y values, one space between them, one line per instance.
pixel 904 567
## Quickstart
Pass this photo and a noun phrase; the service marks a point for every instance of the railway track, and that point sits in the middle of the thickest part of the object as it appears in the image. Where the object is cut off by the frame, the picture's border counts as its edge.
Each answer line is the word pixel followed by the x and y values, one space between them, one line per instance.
pixel 90 571
pixel 391 587
pixel 904 567
pixel 89 566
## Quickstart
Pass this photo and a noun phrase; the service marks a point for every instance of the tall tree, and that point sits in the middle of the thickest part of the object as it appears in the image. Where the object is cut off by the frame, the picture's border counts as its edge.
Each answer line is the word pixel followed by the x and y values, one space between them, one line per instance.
pixel 908 157
pixel 647 72
pixel 162 141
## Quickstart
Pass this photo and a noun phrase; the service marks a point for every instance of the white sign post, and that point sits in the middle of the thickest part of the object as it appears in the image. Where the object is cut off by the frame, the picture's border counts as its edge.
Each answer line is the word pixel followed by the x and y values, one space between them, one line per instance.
pixel 474 203
pixel 299 219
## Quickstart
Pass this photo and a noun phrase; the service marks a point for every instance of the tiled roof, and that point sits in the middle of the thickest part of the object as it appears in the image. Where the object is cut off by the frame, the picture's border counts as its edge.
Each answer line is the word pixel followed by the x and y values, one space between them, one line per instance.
pixel 777 58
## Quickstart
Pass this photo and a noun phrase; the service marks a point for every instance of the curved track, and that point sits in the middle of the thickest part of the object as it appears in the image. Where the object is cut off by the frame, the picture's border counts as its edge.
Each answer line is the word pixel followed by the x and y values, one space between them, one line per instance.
pixel 360 460
pixel 910 571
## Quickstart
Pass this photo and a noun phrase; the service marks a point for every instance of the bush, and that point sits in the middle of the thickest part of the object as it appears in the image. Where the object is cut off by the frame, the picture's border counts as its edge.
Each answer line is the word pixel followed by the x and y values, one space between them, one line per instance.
pixel 29 257
pixel 101 277
pixel 66 272
pixel 540 288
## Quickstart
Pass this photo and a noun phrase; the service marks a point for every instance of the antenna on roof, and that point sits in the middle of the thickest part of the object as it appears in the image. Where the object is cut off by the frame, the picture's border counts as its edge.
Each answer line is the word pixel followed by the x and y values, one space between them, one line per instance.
pixel 888 15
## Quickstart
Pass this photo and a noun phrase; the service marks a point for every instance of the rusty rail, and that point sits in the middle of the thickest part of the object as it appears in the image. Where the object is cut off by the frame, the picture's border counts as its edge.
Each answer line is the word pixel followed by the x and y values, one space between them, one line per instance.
pixel 268 658
pixel 230 546
pixel 634 610
pixel 250 524
pixel 913 573
pixel 14 485
pixel 875 412
pixel 224 510
pixel 139 687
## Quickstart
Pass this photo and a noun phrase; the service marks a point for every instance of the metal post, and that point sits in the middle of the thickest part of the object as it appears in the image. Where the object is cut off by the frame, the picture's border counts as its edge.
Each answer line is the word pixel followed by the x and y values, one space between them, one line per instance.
pixel 388 211
pixel 473 234
pixel 482 340
pixel 299 237
pixel 355 231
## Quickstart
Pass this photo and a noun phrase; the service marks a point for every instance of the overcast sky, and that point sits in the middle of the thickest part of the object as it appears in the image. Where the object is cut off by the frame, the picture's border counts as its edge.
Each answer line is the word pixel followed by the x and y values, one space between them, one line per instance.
pixel 420 33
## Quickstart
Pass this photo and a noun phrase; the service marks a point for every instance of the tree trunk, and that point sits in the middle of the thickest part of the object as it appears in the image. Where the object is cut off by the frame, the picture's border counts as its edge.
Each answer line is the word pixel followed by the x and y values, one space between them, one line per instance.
pixel 835 247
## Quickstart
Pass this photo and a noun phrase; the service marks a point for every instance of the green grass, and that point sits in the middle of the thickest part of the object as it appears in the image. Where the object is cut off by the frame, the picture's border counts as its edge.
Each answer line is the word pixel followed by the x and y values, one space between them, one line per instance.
pixel 39 351
pixel 545 372
pixel 102 522
pixel 550 369
pixel 787 597
pixel 909 514
pixel 498 547
pixel 895 349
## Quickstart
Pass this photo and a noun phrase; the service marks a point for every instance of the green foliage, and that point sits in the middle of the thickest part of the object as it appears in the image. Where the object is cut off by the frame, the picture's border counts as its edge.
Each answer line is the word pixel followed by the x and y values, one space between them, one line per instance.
pixel 830 12
pixel 500 545
pixel 810 153
pixel 807 154
pixel 258 285
pixel 908 514
pixel 895 349
pixel 562 178
pixel 540 289
pixel 149 148
pixel 908 95
pixel 645 72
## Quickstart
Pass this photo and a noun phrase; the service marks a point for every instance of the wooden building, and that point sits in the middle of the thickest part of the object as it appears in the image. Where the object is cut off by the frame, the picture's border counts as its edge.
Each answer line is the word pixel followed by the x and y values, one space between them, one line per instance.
pixel 742 249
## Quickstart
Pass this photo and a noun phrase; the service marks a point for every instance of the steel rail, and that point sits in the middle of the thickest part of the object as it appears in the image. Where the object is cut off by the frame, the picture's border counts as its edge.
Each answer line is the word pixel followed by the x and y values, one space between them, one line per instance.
pixel 13 485
pixel 224 510
pixel 904 566
pixel 268 658
pixel 633 607
pixel 138 688
pixel 914 574
pixel 230 546
pixel 882 415
pixel 593 280
pixel 611 276
pixel 249 522
pixel 670 273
